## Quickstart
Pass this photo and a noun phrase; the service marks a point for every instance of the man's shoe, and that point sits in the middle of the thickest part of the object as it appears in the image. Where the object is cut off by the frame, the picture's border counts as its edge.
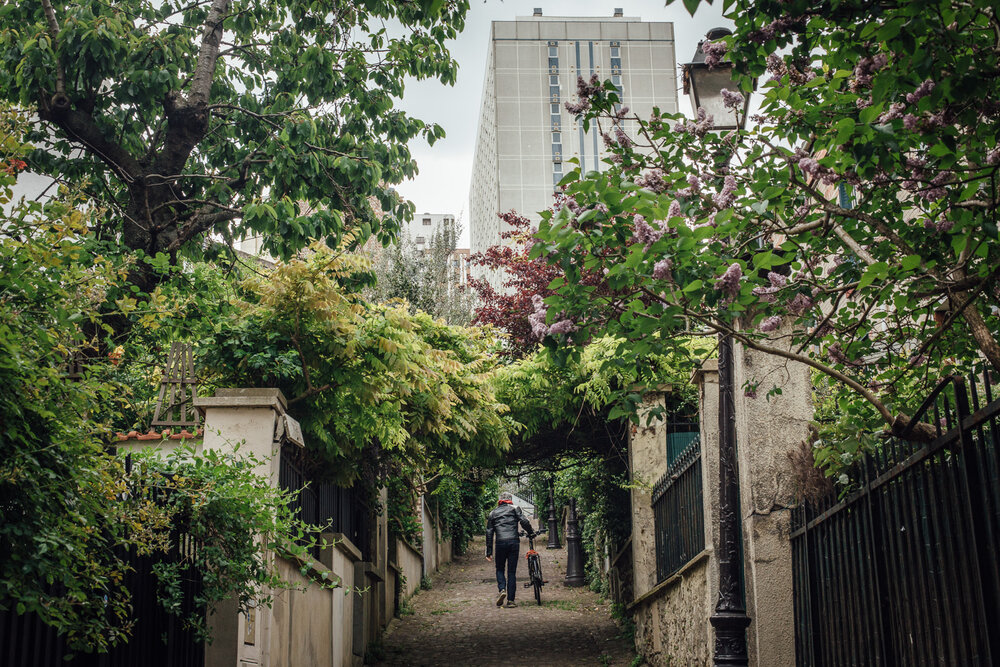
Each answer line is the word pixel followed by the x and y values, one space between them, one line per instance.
pixel 501 597
pixel 511 604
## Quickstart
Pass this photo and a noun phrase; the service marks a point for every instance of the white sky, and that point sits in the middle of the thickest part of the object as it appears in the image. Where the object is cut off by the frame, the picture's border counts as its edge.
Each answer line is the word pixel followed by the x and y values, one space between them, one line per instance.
pixel 442 186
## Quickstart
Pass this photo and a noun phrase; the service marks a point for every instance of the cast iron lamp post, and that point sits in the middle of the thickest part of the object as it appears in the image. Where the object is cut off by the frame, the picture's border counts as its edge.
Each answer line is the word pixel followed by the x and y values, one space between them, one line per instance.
pixel 730 618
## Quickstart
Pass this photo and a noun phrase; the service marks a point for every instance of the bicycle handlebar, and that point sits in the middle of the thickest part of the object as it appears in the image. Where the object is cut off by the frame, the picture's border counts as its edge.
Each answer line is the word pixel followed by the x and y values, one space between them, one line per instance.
pixel 534 534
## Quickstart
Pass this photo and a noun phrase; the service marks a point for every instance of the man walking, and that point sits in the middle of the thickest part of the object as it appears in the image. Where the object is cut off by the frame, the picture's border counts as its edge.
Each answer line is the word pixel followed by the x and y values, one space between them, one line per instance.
pixel 503 522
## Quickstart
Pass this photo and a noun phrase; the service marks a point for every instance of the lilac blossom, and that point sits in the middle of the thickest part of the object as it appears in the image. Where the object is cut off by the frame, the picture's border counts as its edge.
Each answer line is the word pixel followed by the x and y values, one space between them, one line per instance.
pixel 563 327
pixel 652 180
pixel 537 318
pixel 623 139
pixel 910 122
pixel 661 270
pixel 675 209
pixel 644 232
pixel 601 208
pixel 800 304
pixel 770 324
pixel 776 66
pixel 777 280
pixel 713 52
pixel 729 282
pixel 725 197
pixel 922 91
pixel 765 294
pixel 993 157
pixel 894 112
pixel 731 100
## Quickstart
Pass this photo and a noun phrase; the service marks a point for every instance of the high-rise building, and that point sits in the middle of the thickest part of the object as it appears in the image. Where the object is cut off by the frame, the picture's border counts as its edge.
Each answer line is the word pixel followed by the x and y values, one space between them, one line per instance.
pixel 423 227
pixel 525 132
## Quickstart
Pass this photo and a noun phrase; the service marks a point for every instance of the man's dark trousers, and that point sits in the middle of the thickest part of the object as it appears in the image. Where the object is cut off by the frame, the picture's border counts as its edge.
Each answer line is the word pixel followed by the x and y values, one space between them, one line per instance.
pixel 507 552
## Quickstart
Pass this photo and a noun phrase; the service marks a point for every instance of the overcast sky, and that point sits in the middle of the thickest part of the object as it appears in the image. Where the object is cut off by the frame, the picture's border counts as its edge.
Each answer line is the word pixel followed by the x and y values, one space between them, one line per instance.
pixel 443 183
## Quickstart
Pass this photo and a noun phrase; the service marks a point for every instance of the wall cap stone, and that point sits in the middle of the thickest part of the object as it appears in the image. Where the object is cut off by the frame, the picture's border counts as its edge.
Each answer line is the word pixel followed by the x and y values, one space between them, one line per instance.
pixel 243 398
pixel 344 544
pixel 709 366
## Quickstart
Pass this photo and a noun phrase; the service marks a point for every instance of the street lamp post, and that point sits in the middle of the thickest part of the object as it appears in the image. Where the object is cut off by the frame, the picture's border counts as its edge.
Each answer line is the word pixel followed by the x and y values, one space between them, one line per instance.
pixel 729 619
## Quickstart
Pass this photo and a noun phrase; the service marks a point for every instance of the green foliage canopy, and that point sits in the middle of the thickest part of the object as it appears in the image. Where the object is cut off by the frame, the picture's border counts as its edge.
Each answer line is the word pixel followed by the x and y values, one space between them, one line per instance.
pixel 854 228
pixel 231 117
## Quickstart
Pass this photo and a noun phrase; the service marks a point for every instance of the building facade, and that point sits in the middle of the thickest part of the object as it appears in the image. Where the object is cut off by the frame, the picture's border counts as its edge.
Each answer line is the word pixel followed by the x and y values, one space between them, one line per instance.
pixel 526 136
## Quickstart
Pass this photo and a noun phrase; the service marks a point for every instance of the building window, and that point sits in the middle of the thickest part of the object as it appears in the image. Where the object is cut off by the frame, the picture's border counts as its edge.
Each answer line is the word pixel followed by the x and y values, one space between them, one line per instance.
pixel 557 167
pixel 554 109
pixel 556 138
pixel 553 65
pixel 616 52
pixel 557 152
pixel 554 80
pixel 420 240
pixel 427 222
pixel 553 51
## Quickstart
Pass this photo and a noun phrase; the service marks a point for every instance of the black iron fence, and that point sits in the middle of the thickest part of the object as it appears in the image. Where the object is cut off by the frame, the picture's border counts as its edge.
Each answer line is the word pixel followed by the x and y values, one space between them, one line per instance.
pixel 904 570
pixel 158 638
pixel 678 512
pixel 335 509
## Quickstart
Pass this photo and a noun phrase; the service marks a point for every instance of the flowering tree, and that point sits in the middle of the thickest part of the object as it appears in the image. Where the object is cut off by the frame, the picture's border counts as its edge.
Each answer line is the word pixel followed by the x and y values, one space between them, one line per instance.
pixel 854 228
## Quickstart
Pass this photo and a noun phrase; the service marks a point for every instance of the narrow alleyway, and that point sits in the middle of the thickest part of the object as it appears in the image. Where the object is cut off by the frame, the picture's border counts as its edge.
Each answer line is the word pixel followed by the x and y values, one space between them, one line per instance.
pixel 457 622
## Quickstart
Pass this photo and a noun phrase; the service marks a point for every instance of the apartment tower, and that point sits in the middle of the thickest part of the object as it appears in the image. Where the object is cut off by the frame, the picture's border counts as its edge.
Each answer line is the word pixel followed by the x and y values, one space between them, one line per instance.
pixel 525 133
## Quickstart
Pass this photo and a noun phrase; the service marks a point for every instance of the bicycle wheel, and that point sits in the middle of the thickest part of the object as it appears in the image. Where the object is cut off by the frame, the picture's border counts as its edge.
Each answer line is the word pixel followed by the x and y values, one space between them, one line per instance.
pixel 538 592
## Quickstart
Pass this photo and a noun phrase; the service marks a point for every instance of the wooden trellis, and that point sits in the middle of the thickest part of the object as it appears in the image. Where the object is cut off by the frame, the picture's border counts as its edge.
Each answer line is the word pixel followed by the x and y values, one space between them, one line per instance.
pixel 175 404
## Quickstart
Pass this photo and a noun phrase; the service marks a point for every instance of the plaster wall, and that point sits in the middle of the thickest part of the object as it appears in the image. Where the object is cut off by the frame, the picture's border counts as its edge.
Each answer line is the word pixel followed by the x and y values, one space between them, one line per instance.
pixel 411 564
pixel 767 429
pixel 672 626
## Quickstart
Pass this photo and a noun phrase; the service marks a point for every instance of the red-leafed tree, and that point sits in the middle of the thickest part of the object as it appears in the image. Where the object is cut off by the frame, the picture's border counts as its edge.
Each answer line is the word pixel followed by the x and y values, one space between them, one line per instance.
pixel 509 306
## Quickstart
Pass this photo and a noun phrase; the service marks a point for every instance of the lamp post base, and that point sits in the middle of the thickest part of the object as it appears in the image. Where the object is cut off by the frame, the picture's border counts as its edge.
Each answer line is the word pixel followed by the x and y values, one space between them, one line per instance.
pixel 730 638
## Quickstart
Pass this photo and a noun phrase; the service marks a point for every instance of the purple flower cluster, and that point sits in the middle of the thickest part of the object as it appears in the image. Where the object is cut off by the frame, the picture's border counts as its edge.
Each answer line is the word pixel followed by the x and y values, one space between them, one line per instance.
pixel 865 70
pixel 622 138
pixel 725 197
pixel 645 233
pixel 537 320
pixel 836 353
pixel 800 304
pixel 584 91
pixel 713 52
pixel 766 294
pixel 729 283
pixel 894 112
pixel 652 180
pixel 770 324
pixel 699 128
pixel 776 66
pixel 661 270
pixel 675 209
pixel 812 168
pixel 694 184
pixel 941 226
pixel 922 91
pixel 993 157
pixel 774 28
pixel 731 100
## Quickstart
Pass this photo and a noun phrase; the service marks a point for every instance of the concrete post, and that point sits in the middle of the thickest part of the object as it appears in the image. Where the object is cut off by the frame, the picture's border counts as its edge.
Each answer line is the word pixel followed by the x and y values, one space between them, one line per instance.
pixel 768 428
pixel 706 379
pixel 647 464
pixel 252 420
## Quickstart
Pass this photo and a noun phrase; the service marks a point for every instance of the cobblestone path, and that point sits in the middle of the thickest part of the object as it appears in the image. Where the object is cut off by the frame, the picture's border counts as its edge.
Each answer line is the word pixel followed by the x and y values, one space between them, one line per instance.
pixel 457 622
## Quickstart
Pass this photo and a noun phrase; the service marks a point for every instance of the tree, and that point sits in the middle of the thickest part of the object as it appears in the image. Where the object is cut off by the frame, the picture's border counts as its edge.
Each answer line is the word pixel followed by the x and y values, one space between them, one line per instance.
pixel 424 277
pixel 855 229
pixel 227 117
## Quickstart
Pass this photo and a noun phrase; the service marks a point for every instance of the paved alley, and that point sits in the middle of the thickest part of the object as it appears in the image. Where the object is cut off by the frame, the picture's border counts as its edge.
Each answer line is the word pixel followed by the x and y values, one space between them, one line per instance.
pixel 457 622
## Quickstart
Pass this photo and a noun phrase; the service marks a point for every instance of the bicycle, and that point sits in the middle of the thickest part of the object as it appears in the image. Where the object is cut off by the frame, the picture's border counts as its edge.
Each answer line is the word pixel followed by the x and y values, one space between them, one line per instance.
pixel 535 579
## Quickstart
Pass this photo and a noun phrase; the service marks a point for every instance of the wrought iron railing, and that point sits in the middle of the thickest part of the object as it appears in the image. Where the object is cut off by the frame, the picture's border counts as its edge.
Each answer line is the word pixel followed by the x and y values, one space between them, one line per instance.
pixel 678 512
pixel 332 508
pixel 903 570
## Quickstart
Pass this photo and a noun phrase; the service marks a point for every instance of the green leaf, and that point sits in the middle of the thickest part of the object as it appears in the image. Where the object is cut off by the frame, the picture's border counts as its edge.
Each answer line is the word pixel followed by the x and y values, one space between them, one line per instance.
pixel 910 262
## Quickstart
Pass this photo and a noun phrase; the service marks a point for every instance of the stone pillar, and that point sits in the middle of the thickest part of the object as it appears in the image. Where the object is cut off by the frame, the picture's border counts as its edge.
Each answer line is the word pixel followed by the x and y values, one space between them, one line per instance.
pixel 253 420
pixel 647 464
pixel 767 429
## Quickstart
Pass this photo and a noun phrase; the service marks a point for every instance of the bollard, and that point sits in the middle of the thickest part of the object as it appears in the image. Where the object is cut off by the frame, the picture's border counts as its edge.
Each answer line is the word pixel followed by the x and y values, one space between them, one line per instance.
pixel 574 550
